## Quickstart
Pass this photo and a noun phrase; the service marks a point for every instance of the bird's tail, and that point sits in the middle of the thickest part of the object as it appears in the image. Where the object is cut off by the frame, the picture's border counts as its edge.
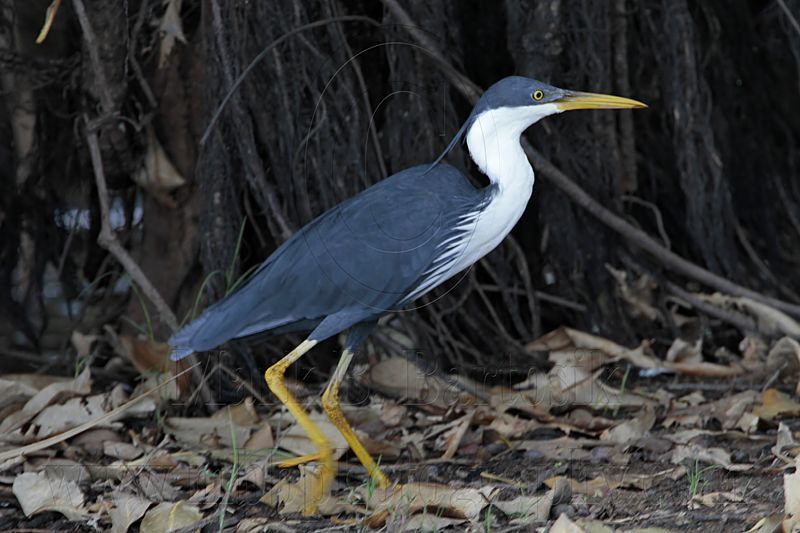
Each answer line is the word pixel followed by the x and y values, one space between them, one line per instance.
pixel 182 341
pixel 180 352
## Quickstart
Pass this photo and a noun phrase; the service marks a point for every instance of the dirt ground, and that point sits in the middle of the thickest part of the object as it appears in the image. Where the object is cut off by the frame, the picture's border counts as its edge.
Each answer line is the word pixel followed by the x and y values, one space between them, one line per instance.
pixel 598 445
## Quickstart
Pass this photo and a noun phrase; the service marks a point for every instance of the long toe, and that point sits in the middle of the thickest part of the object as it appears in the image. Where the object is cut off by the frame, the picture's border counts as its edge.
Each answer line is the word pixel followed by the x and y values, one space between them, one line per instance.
pixel 321 483
pixel 295 461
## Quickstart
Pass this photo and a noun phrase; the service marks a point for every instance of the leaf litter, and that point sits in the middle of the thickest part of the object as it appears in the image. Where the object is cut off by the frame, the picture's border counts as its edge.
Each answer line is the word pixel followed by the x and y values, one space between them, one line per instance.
pixel 570 446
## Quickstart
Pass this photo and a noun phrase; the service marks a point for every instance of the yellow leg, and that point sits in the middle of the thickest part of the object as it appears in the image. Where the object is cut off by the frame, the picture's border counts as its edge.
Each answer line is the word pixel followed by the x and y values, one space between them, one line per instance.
pixel 330 402
pixel 274 377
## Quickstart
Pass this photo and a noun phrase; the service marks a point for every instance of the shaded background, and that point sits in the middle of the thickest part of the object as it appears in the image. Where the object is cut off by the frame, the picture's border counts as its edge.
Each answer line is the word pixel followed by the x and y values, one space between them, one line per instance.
pixel 710 170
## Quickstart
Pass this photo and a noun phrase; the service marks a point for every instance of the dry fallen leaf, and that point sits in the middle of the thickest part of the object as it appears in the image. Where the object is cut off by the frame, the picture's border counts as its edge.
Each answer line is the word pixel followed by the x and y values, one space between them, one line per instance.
pixel 82 343
pixel 206 432
pixel 157 175
pixel 127 510
pixel 527 509
pixel 168 516
pixel 291 497
pixel 429 522
pixel 791 493
pixel 774 404
pixel 630 430
pixel 397 377
pixel 411 498
pixel 172 28
pixel 565 525
pixel 37 492
pixel 785 443
pixel 784 353
pixel 241 414
pixel 297 441
pixel 261 439
pixel 122 450
pixel 684 352
pixel 52 393
pixel 715 456
pixel 713 499
pixel 606 482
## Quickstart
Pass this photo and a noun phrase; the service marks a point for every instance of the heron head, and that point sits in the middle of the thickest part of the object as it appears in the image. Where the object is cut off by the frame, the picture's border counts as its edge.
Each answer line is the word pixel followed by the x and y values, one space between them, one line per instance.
pixel 515 103
pixel 535 99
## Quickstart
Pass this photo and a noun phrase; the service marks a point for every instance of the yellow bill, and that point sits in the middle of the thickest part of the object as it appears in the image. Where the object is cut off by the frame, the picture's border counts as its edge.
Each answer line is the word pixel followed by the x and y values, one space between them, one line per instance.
pixel 579 100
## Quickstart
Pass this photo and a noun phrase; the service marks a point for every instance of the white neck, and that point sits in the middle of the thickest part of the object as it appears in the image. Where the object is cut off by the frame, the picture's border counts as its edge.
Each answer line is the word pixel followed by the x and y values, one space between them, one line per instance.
pixel 493 140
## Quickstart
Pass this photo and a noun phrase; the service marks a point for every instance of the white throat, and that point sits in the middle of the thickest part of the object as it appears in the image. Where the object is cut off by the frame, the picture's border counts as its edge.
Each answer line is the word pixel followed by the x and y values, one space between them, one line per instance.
pixel 493 140
pixel 494 144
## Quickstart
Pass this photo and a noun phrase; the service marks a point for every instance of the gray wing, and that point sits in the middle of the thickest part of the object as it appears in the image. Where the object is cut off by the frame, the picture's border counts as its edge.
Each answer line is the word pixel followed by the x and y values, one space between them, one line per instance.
pixel 354 262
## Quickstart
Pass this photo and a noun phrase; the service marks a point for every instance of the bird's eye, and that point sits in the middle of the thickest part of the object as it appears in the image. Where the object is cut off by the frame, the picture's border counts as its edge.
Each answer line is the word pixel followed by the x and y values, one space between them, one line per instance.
pixel 537 95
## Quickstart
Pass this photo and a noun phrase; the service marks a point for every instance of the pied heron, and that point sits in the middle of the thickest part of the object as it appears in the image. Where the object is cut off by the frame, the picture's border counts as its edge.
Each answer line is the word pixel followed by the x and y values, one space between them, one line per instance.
pixel 384 247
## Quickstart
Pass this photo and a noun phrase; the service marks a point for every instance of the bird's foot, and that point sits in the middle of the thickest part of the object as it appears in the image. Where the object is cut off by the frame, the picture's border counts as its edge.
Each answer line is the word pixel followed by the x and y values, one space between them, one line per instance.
pixel 321 484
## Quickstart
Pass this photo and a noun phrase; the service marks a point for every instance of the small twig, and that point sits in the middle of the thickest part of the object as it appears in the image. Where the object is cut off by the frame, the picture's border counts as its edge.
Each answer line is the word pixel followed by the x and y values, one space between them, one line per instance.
pixel 775 375
pixel 736 319
pixel 108 239
pixel 792 19
pixel 97 66
pixel 580 197
pixel 656 213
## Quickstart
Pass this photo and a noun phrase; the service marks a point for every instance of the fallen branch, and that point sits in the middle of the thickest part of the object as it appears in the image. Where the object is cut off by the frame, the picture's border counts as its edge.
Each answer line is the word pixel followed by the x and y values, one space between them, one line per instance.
pixel 579 196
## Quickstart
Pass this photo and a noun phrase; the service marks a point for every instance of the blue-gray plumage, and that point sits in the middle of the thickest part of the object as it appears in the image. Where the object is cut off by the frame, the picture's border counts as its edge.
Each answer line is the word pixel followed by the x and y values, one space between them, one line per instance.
pixel 353 263
pixel 386 246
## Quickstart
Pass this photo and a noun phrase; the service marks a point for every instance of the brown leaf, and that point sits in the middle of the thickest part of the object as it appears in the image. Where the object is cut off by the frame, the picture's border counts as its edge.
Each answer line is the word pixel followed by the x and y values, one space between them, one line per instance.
pixel 527 509
pixel 397 377
pixel 774 404
pixel 291 497
pixel 82 343
pixel 630 430
pixel 714 456
pixel 639 294
pixel 146 356
pixel 206 432
pixel 560 449
pixel 713 499
pixel 604 483
pixel 453 437
pixel 261 439
pixel 784 352
pixel 168 516
pixel 430 522
pixel 36 493
pixel 682 352
pixel 785 442
pixel 58 469
pixel 241 414
pixel 122 450
pixel 564 524
pixel 297 441
pixel 52 393
pixel 127 510
pixel 415 497
pixel 172 30
pixel 791 493
pixel 157 174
